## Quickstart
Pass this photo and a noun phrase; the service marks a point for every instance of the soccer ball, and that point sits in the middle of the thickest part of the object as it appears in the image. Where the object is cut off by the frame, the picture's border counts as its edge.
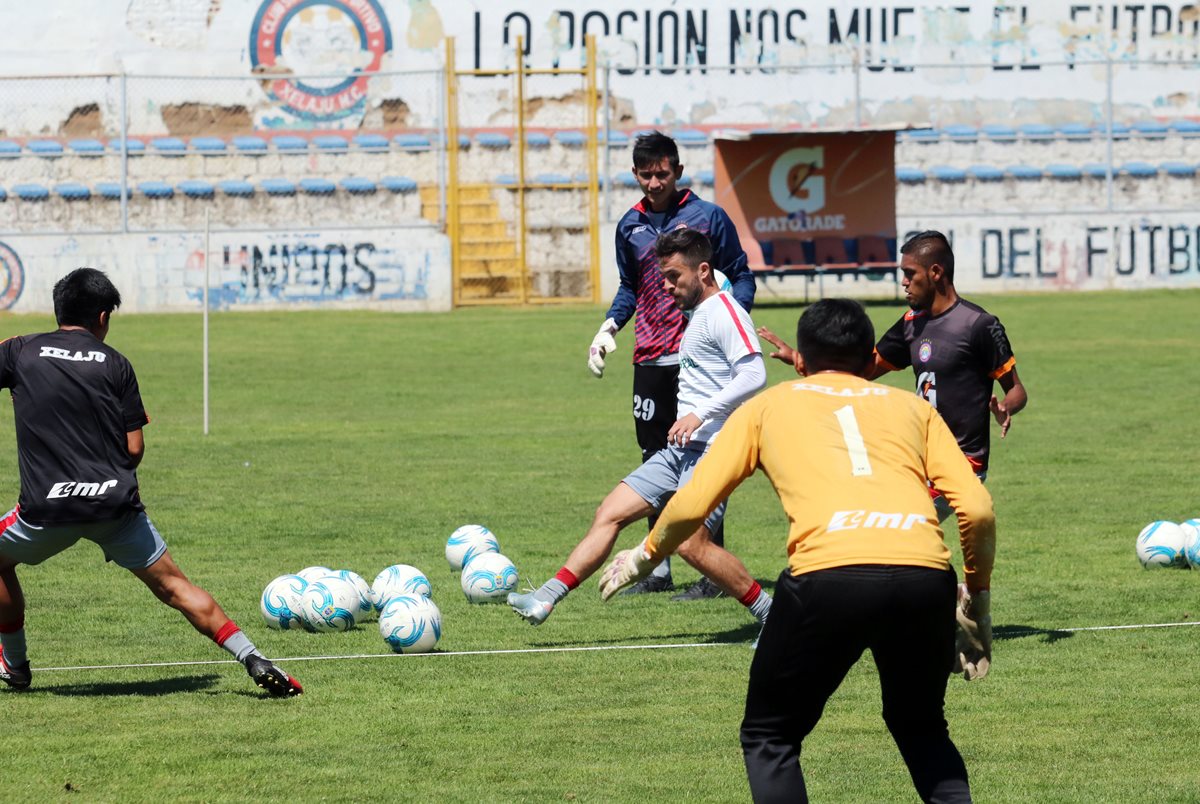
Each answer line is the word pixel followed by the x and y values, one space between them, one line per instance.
pixel 1160 544
pixel 314 573
pixel 281 600
pixel 366 603
pixel 329 605
pixel 1191 542
pixel 410 624
pixel 396 580
pixel 488 578
pixel 467 542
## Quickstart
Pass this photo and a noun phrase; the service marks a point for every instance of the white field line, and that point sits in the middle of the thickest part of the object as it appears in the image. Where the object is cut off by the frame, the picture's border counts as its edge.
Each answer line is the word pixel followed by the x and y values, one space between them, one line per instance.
pixel 582 649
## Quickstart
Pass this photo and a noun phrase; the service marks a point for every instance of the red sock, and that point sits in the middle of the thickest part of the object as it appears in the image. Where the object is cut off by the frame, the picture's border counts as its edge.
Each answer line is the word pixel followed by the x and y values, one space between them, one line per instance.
pixel 227 630
pixel 748 599
pixel 567 577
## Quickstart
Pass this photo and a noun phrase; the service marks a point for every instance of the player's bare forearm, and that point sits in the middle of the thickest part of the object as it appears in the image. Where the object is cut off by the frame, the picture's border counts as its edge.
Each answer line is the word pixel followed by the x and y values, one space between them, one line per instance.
pixel 783 352
pixel 1015 396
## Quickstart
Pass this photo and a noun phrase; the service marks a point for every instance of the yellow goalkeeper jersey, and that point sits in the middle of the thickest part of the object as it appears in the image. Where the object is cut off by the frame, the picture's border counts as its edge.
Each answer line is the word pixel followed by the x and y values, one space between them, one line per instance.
pixel 852 461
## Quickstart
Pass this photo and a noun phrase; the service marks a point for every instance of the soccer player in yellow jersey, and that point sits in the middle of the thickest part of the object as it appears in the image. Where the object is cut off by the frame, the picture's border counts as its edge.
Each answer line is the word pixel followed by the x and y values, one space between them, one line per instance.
pixel 867 565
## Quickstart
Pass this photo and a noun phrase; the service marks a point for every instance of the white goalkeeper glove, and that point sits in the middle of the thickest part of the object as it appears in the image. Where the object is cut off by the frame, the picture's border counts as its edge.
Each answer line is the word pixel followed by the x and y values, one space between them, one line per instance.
pixel 973 641
pixel 602 344
pixel 627 568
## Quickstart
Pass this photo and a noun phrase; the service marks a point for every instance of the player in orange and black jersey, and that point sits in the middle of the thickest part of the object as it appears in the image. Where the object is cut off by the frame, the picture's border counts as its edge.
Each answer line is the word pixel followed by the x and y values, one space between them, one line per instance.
pixel 851 461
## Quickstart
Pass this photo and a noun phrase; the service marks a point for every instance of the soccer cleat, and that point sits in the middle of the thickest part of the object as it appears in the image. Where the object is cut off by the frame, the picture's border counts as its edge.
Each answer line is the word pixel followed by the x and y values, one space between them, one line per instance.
pixel 19 677
pixel 532 610
pixel 651 583
pixel 702 589
pixel 271 677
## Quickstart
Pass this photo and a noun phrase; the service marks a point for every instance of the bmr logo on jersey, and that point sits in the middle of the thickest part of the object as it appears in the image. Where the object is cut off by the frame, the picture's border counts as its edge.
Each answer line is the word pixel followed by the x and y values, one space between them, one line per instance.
pixel 329 45
pixel 72 488
pixel 75 357
pixel 853 520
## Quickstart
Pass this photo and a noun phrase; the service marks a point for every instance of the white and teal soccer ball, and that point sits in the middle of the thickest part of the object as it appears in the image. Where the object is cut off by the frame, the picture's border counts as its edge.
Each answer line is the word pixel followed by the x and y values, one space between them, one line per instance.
pixel 1191 542
pixel 1160 544
pixel 467 542
pixel 410 624
pixel 366 603
pixel 488 578
pixel 396 580
pixel 329 605
pixel 281 602
pixel 314 573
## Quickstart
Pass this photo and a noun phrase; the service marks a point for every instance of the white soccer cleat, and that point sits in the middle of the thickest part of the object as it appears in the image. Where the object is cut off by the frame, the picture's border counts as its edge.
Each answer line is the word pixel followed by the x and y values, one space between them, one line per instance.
pixel 530 608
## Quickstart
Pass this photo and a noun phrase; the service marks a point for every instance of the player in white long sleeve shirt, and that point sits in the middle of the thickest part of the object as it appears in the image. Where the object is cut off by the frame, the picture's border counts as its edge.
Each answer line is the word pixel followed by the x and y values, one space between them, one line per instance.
pixel 720 366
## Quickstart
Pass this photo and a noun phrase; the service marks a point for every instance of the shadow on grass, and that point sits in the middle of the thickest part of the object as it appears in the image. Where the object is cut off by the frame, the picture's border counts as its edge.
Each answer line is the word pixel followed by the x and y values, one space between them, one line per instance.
pixel 743 633
pixel 1025 631
pixel 163 686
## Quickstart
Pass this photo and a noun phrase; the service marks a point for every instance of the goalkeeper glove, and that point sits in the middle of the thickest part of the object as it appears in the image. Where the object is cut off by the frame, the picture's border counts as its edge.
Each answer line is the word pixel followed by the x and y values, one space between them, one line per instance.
pixel 602 344
pixel 628 567
pixel 973 642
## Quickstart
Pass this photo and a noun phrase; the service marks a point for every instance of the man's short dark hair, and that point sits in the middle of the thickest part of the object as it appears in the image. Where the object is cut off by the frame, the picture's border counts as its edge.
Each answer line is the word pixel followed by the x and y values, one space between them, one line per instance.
pixel 650 149
pixel 931 247
pixel 835 335
pixel 82 295
pixel 690 244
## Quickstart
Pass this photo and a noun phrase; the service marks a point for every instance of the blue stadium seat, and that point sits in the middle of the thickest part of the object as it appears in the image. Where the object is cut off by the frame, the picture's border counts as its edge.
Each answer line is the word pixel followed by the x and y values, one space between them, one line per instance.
pixel 617 139
pixel 689 136
pixel 985 173
pixel 412 142
pixel 169 146
pixel 3 194
pixel 236 187
pixel 196 188
pixel 571 139
pixel 923 135
pixel 1036 131
pixel 278 186
pixel 132 147
pixel 1139 170
pixel 685 181
pixel 1061 171
pixel 1179 169
pixel 156 189
pixel 46 148
pixel 910 175
pixel 642 132
pixel 705 177
pixel 551 178
pixel 961 133
pixel 583 178
pixel 398 184
pixel 506 178
pixel 1120 131
pixel 86 147
pixel 358 185
pixel 999 132
pixel 289 142
pixel 331 142
pixel 73 191
pixel 10 148
pixel 313 186
pixel 370 142
pixel 110 190
pixel 1185 128
pixel 1097 170
pixel 31 192
pixel 947 173
pixel 536 139
pixel 1024 172
pixel 626 180
pixel 1075 131
pixel 1150 129
pixel 208 146
pixel 250 144
pixel 493 139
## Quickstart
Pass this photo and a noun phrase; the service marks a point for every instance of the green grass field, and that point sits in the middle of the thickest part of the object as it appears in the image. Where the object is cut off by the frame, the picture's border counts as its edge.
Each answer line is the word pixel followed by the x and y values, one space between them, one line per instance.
pixel 359 440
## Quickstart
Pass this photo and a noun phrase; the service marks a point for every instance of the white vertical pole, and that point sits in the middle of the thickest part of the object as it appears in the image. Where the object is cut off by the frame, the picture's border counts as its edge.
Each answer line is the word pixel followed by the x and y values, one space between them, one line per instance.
pixel 205 317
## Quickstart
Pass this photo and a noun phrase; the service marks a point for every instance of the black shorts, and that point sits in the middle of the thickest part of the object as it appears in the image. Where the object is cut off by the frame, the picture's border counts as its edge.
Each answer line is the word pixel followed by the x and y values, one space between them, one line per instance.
pixel 655 403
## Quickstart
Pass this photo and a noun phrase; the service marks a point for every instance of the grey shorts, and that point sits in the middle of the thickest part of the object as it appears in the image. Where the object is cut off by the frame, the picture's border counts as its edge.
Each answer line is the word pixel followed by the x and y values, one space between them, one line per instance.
pixel 130 541
pixel 667 470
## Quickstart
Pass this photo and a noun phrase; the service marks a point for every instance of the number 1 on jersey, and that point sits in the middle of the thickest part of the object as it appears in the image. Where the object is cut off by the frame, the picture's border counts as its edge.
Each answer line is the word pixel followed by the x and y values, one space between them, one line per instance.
pixel 860 464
